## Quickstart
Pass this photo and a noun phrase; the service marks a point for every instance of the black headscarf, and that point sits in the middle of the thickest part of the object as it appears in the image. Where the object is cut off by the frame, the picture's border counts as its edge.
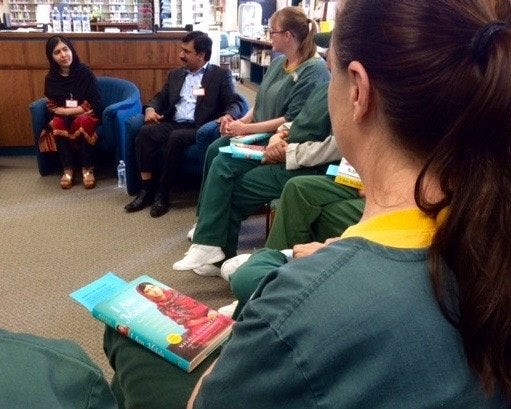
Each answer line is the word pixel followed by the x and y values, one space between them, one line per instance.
pixel 81 82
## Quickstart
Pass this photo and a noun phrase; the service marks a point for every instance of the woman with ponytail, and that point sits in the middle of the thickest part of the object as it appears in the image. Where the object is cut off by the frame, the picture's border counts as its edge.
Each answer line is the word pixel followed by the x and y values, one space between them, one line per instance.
pixel 411 308
pixel 232 189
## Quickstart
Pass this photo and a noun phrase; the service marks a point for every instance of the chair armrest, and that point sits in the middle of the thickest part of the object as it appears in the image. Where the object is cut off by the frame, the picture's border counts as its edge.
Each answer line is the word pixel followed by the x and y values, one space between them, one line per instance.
pixel 204 136
pixel 109 116
pixel 132 125
pixel 122 117
pixel 125 104
pixel 40 117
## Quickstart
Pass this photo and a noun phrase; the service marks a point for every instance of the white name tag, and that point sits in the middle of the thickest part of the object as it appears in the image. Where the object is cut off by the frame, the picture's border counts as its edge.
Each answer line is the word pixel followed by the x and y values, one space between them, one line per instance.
pixel 71 103
pixel 199 92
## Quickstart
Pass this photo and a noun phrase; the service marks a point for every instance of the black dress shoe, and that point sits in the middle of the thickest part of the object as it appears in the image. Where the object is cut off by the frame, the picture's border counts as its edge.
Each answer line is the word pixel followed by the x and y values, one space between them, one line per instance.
pixel 143 199
pixel 160 206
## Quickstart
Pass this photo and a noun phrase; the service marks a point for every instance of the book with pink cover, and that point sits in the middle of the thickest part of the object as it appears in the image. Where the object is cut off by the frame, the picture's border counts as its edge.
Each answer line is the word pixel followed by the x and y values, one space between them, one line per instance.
pixel 173 325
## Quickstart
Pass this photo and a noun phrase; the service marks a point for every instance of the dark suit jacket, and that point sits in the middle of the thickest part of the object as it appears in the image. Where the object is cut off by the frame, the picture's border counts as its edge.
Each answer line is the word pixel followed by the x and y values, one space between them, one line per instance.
pixel 219 97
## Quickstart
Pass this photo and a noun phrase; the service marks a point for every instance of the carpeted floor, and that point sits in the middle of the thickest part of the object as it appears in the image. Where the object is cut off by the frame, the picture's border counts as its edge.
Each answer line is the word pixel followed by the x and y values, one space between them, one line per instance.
pixel 55 241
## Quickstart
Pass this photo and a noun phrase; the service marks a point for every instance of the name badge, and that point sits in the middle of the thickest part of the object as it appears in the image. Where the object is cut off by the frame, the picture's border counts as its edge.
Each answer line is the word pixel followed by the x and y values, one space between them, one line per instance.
pixel 71 103
pixel 199 92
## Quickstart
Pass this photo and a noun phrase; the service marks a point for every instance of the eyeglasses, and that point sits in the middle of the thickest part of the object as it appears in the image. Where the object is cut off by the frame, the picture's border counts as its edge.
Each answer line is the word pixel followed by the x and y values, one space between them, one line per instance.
pixel 272 32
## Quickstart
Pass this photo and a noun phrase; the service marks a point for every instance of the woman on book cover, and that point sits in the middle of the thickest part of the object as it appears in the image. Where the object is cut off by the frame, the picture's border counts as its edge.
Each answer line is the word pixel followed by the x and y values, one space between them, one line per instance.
pixel 201 323
pixel 75 106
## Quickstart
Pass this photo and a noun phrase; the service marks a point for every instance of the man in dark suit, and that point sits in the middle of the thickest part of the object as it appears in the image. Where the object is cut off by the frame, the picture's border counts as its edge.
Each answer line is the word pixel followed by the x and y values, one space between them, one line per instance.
pixel 193 95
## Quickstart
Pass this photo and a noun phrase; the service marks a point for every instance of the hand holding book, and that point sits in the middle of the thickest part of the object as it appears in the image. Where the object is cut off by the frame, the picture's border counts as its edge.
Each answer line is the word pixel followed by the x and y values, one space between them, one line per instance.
pixel 243 147
pixel 275 152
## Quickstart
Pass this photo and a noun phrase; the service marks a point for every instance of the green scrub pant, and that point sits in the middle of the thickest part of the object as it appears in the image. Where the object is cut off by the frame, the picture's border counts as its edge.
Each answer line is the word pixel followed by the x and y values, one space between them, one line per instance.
pixel 311 208
pixel 143 380
pixel 211 153
pixel 232 191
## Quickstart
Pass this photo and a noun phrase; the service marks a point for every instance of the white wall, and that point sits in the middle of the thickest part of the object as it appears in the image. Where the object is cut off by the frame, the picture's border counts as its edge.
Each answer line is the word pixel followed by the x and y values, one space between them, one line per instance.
pixel 283 3
pixel 230 16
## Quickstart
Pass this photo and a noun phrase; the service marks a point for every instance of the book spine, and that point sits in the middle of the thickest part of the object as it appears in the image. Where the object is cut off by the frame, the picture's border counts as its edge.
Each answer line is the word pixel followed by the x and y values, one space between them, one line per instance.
pixel 145 342
pixel 111 322
pixel 251 138
pixel 349 181
pixel 245 154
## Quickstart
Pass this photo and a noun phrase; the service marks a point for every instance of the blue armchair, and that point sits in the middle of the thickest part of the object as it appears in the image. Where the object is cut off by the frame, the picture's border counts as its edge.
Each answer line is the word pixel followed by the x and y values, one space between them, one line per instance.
pixel 121 99
pixel 193 162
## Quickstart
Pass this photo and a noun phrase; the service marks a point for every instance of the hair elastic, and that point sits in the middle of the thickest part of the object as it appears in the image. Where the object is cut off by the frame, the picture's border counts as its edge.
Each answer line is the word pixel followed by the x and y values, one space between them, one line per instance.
pixel 482 38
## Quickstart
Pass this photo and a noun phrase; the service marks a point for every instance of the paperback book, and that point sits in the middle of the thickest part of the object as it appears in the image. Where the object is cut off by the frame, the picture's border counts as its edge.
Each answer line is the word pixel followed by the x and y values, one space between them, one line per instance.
pixel 243 151
pixel 243 147
pixel 345 174
pixel 251 138
pixel 173 325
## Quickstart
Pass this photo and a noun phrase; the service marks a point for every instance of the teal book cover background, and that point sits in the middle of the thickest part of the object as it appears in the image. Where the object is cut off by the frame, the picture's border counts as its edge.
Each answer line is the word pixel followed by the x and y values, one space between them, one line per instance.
pixel 167 322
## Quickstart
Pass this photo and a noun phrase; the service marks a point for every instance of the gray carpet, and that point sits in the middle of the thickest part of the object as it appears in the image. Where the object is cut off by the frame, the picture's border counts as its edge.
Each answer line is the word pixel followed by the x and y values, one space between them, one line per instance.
pixel 55 241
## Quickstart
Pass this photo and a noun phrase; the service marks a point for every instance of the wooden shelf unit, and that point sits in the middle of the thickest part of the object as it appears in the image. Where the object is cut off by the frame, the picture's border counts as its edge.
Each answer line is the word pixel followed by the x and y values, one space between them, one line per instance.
pixel 252 55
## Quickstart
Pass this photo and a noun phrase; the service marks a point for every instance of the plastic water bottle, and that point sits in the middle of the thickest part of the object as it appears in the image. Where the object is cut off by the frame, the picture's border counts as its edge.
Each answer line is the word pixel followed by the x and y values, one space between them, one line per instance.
pixel 56 20
pixel 121 174
pixel 86 20
pixel 77 20
pixel 66 21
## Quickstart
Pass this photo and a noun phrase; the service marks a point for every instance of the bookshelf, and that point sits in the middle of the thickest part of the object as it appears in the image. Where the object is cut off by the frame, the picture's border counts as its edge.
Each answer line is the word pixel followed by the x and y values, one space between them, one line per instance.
pixel 178 13
pixel 23 12
pixel 255 56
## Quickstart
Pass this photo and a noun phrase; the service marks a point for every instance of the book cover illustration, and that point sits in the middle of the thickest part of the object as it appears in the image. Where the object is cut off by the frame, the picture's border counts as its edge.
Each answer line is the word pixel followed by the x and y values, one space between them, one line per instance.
pixel 167 322
pixel 345 174
pixel 244 151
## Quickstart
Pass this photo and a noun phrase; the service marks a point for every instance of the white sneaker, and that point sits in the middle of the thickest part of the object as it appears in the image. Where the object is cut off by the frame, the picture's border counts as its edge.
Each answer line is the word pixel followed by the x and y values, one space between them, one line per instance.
pixel 228 310
pixel 198 255
pixel 231 265
pixel 189 235
pixel 207 270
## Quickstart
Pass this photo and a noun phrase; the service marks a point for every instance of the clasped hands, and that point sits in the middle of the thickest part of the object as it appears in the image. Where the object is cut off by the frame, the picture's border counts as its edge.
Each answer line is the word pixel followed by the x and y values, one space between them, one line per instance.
pixel 63 111
pixel 275 151
pixel 230 127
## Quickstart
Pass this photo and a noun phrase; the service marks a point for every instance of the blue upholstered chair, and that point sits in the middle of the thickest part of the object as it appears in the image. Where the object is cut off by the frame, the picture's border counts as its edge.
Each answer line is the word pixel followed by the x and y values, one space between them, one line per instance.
pixel 193 161
pixel 121 99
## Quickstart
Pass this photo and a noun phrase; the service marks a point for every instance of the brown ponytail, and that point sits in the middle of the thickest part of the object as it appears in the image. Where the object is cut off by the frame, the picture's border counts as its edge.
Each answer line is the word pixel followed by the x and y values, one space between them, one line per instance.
pixel 443 81
pixel 294 20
